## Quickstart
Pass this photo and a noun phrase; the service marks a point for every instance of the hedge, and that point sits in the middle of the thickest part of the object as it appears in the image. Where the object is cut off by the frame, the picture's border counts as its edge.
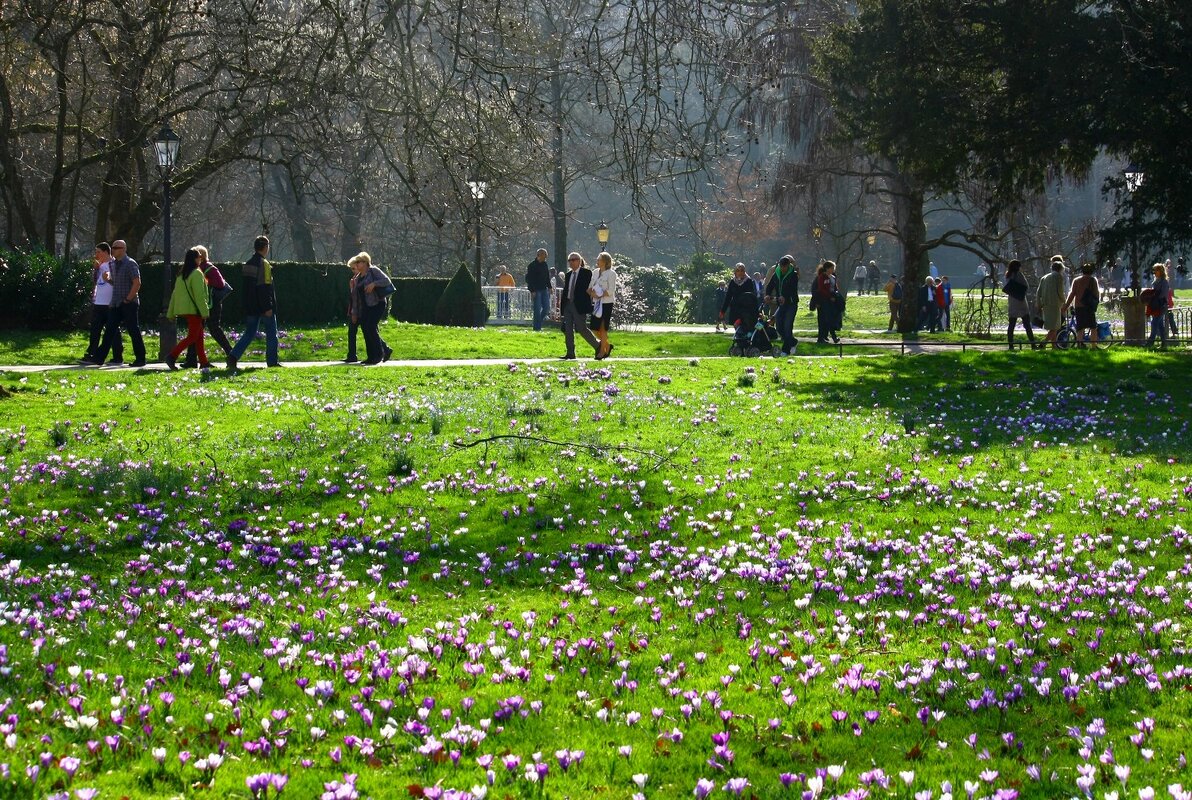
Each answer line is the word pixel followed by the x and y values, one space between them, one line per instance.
pixel 38 290
pixel 308 294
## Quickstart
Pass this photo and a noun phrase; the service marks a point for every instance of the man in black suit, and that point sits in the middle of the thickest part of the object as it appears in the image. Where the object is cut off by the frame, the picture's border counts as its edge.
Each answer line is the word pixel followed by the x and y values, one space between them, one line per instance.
pixel 575 304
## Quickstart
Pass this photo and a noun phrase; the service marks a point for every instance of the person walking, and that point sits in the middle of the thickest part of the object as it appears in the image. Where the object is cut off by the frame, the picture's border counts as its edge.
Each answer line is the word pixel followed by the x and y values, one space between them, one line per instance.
pixel 505 284
pixel 945 290
pixel 538 283
pixel 101 308
pixel 603 291
pixel 353 317
pixel 189 301
pixel 125 309
pixel 1156 308
pixel 759 288
pixel 217 291
pixel 829 303
pixel 928 310
pixel 738 295
pixel 1049 298
pixel 1016 289
pixel 1083 298
pixel 893 300
pixel 575 304
pixel 875 277
pixel 372 289
pixel 260 305
pixel 860 276
pixel 783 289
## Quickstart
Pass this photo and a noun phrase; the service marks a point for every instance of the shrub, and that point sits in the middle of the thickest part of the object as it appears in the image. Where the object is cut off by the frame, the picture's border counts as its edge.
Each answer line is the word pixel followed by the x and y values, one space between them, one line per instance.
pixel 462 305
pixel 699 302
pixel 310 293
pixel 37 290
pixel 653 286
pixel 416 299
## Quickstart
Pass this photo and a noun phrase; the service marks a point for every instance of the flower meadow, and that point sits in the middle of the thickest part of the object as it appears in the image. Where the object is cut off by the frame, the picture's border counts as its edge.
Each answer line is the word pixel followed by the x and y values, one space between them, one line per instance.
pixel 961 576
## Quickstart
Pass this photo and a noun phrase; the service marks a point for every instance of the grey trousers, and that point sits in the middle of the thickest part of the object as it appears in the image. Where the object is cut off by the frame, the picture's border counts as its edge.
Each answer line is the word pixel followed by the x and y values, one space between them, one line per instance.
pixel 574 321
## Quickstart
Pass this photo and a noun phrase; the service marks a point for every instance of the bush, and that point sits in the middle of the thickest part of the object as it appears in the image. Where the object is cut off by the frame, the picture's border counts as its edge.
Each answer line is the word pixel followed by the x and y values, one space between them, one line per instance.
pixel 462 305
pixel 416 299
pixel 653 286
pixel 37 290
pixel 699 303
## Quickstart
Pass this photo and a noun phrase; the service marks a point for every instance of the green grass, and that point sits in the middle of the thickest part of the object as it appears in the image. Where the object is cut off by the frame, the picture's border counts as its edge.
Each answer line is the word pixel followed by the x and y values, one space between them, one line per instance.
pixel 603 540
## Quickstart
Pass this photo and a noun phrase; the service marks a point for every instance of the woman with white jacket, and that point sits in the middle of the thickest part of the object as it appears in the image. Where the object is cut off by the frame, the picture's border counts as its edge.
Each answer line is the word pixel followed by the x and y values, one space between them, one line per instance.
pixel 604 294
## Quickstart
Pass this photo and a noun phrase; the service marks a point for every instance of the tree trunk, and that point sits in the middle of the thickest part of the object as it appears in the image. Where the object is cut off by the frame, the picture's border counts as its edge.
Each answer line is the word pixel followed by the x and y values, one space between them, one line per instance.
pixel 558 206
pixel 912 234
pixel 302 238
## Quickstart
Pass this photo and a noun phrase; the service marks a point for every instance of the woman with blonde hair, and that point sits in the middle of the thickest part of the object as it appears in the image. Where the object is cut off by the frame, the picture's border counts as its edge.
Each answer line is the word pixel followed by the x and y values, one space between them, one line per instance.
pixel 1157 304
pixel 372 289
pixel 603 290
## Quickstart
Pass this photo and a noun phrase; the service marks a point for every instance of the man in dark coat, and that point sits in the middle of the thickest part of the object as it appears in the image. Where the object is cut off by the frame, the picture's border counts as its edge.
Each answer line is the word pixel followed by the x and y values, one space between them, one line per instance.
pixel 260 305
pixel 538 283
pixel 575 304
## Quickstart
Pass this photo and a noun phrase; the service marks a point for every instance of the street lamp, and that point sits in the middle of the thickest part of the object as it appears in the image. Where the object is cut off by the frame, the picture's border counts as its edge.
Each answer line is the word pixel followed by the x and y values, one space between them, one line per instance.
pixel 479 187
pixel 1134 178
pixel 165 147
pixel 602 235
pixel 817 232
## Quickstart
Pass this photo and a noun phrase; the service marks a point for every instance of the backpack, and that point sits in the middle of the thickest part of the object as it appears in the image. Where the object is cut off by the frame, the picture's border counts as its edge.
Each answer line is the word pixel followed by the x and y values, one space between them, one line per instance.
pixel 1090 297
pixel 897 293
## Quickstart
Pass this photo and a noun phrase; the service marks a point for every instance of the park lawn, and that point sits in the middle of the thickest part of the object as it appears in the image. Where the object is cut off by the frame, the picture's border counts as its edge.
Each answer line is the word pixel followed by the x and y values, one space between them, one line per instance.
pixel 576 580
pixel 409 342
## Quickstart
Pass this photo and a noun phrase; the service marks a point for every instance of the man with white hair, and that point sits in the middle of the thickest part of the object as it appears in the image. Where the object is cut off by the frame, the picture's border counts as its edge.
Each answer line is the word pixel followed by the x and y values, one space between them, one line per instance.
pixel 860 275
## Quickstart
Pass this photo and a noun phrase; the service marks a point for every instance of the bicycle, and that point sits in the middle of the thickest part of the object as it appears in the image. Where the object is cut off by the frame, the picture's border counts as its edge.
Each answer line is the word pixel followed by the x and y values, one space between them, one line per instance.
pixel 1068 335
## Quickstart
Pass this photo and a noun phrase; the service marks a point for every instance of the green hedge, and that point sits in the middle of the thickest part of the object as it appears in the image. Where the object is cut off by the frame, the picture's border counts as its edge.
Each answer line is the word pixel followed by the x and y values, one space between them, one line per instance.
pixel 308 294
pixel 38 290
pixel 415 299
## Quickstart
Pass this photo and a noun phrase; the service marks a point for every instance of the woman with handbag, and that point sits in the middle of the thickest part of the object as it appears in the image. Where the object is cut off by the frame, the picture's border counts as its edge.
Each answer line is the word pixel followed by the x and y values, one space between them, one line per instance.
pixel 189 301
pixel 372 289
pixel 1016 288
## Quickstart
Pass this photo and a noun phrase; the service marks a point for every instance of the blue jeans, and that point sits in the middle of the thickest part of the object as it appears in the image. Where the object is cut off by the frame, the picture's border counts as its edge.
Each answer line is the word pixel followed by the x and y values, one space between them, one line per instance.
pixel 502 304
pixel 269 323
pixel 784 320
pixel 541 301
pixel 1159 329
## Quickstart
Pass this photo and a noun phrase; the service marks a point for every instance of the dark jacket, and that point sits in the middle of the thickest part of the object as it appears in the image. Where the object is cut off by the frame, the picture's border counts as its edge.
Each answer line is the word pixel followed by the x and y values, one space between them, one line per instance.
pixel 738 294
pixel 583 303
pixel 787 287
pixel 258 287
pixel 538 276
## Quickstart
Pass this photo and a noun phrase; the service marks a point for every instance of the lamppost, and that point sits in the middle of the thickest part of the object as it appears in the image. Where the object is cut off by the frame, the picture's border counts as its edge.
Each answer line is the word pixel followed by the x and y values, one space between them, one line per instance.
pixel 165 147
pixel 479 187
pixel 1134 178
pixel 817 232
pixel 602 235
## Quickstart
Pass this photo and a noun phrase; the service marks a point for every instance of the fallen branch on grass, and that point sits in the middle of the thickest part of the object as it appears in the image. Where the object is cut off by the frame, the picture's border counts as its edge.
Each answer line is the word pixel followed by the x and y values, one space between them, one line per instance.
pixel 594 449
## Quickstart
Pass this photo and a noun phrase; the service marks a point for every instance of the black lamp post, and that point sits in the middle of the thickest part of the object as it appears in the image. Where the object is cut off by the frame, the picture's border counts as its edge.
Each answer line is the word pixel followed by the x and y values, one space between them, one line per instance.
pixel 165 147
pixel 1134 178
pixel 602 235
pixel 479 187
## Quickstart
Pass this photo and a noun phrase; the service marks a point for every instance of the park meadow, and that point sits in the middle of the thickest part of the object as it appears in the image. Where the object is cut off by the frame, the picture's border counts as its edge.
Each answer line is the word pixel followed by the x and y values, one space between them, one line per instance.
pixel 952 576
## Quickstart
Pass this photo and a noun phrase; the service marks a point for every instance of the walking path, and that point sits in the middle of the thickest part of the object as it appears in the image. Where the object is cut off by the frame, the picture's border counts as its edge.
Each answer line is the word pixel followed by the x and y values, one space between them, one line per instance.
pixel 827 351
